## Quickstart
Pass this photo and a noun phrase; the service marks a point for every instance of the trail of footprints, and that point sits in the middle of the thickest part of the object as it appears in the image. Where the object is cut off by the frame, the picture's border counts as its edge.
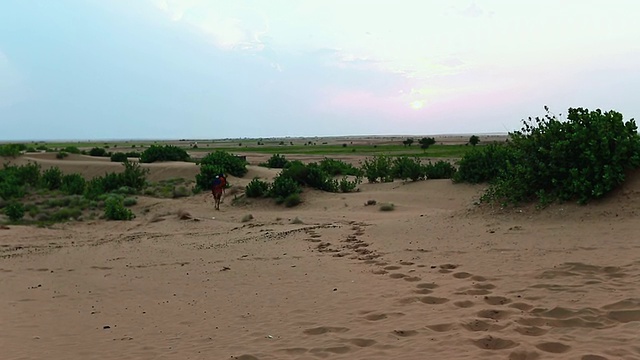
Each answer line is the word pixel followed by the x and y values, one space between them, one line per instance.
pixel 498 314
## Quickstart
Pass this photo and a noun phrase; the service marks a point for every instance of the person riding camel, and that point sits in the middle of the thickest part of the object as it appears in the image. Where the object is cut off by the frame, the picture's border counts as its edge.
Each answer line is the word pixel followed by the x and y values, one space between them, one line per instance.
pixel 217 189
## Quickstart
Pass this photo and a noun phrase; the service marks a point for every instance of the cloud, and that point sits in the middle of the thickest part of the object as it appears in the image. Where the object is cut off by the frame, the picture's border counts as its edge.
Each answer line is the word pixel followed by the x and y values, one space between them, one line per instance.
pixel 230 25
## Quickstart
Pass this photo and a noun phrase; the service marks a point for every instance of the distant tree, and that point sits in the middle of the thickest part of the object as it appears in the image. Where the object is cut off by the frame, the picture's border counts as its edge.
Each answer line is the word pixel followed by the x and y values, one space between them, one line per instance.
pixel 408 142
pixel 426 142
pixel 474 140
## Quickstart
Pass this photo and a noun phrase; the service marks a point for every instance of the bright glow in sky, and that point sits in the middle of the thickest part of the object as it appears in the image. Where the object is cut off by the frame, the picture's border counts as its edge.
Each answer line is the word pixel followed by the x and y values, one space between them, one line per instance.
pixel 93 69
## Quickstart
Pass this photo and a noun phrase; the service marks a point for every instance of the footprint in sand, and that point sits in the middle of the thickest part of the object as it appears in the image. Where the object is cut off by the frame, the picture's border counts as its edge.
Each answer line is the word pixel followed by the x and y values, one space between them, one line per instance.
pixel 397 276
pixel 441 327
pixel 382 316
pixel 362 342
pixel 496 300
pixel 464 304
pixel 392 267
pixel 481 325
pixel 325 329
pixel 432 300
pixel 553 347
pixel 493 314
pixel 531 331
pixel 494 343
pixel 462 275
pixel 405 333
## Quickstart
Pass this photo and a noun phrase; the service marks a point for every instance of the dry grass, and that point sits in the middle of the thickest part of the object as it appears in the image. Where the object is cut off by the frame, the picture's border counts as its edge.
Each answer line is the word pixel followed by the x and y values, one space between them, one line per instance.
pixel 370 202
pixel 184 215
pixel 297 221
pixel 387 207
pixel 246 218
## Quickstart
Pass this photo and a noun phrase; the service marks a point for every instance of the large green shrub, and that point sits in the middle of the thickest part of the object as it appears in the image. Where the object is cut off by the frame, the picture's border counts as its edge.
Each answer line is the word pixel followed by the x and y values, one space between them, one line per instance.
pixel 283 186
pixel 229 163
pixel 257 188
pixel 163 153
pixel 208 172
pixel 118 157
pixel 12 150
pixel 96 151
pixel 276 161
pixel 52 178
pixel 378 169
pixel 440 170
pixel 338 167
pixel 484 163
pixel 73 184
pixel 580 159
pixel 407 168
pixel 14 211
pixel 10 185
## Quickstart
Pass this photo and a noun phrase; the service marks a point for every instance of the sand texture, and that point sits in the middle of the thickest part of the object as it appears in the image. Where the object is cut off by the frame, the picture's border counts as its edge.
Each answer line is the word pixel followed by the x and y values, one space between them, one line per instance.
pixel 436 278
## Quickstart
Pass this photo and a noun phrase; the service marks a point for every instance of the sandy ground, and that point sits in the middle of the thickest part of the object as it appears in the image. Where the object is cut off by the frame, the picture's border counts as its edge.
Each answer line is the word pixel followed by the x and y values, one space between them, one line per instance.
pixel 437 278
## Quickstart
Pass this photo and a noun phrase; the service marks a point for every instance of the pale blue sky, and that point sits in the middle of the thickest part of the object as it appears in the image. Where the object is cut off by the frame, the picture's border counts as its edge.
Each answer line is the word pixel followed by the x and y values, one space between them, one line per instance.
pixel 97 69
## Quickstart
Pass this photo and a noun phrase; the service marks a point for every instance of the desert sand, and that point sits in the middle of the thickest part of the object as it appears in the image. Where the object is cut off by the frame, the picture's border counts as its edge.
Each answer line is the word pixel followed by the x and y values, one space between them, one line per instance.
pixel 437 278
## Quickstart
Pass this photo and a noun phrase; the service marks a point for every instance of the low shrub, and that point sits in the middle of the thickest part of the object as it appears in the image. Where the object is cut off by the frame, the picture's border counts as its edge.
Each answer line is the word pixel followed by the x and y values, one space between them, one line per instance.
pixel 52 178
pixel 14 211
pixel 292 200
pixel 119 157
pixel 440 170
pixel 347 185
pixel 114 209
pixel 283 186
pixel 73 184
pixel 338 167
pixel 229 163
pixel 276 161
pixel 406 168
pixel 387 207
pixel 484 163
pixel 378 169
pixel 257 188
pixel 96 151
pixel 163 153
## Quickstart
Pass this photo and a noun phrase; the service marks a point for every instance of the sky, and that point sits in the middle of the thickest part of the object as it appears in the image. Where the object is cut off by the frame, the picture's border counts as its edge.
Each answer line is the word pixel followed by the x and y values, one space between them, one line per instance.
pixel 202 69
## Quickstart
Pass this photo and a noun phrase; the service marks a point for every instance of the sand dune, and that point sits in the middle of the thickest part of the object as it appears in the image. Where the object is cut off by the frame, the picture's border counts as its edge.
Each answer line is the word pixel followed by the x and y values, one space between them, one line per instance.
pixel 437 278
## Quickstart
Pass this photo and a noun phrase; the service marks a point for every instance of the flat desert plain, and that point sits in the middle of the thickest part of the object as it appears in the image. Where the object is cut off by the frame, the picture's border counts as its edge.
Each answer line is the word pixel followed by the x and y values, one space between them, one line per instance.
pixel 437 278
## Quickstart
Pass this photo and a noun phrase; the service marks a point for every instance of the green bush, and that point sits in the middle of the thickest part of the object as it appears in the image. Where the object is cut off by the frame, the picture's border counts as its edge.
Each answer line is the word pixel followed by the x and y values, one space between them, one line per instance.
pixel 132 154
pixel 229 163
pixel 119 157
pixel 11 187
pixel 208 172
pixel 61 155
pixel 292 200
pixel 347 185
pixel 15 211
pixel 133 177
pixel 12 150
pixel 71 150
pixel 257 188
pixel 580 159
pixel 338 167
pixel 283 186
pixel 440 170
pixel 484 163
pixel 407 168
pixel 114 209
pixel 52 178
pixel 377 169
pixel 276 161
pixel 96 151
pixel 163 153
pixel 318 179
pixel 73 184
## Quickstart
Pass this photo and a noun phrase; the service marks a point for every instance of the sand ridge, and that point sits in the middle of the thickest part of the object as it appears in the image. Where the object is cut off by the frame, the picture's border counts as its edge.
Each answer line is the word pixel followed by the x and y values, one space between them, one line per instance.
pixel 437 277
